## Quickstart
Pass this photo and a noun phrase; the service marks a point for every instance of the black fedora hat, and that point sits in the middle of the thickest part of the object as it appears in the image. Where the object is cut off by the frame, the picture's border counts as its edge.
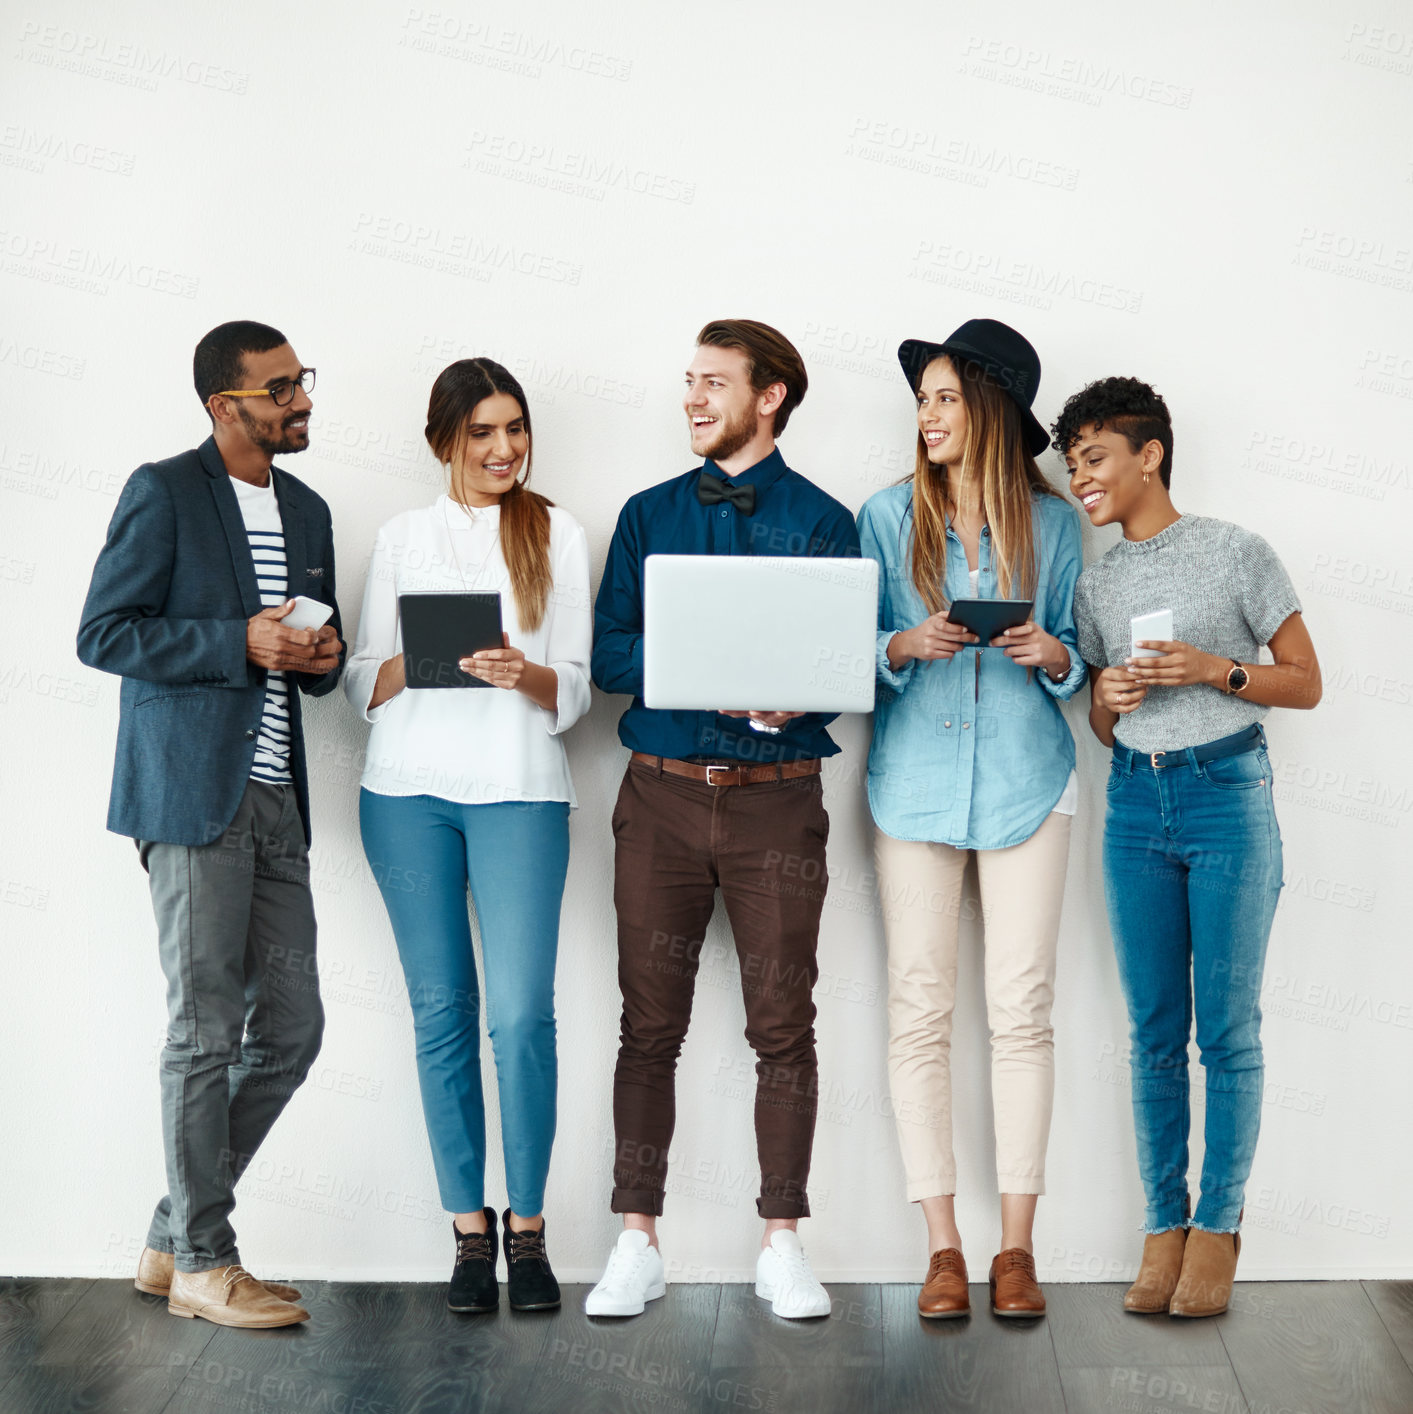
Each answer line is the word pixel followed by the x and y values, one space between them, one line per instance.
pixel 1004 355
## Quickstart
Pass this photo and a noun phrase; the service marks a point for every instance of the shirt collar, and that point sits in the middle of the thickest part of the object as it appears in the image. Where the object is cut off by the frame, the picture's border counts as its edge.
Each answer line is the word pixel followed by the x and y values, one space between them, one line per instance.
pixel 763 475
pixel 460 517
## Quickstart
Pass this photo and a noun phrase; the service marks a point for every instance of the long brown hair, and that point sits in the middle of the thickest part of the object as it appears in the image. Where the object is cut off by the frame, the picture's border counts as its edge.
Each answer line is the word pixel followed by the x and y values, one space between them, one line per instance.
pixel 994 452
pixel 524 514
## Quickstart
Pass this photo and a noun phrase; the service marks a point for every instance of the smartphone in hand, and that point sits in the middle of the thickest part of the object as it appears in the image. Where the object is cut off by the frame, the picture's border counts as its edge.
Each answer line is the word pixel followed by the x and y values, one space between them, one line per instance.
pixel 1157 626
pixel 308 613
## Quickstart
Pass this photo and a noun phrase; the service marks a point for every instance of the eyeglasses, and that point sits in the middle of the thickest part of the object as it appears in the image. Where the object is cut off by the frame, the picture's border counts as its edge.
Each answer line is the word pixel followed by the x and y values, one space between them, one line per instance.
pixel 279 393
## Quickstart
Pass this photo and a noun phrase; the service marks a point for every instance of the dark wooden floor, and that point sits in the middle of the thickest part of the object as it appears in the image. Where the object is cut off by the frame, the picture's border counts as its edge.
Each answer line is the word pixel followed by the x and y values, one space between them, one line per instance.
pixel 1283 1348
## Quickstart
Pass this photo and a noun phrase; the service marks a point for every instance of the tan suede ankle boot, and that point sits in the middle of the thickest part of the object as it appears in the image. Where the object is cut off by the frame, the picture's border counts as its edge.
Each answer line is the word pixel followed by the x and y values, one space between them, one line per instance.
pixel 1158 1272
pixel 1208 1271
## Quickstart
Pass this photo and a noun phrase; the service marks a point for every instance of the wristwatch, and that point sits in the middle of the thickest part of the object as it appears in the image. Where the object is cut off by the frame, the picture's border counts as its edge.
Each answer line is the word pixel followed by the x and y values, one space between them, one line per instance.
pixel 1237 677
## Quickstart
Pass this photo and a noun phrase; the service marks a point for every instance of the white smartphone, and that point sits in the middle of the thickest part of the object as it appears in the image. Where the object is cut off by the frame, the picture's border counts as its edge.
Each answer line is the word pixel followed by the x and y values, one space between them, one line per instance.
pixel 310 613
pixel 1157 626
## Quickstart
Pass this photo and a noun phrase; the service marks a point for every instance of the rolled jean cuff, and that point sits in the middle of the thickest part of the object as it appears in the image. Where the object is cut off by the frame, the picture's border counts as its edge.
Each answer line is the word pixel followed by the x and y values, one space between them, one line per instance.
pixel 159 1244
pixel 1029 1183
pixel 783 1207
pixel 942 1185
pixel 637 1200
pixel 194 1265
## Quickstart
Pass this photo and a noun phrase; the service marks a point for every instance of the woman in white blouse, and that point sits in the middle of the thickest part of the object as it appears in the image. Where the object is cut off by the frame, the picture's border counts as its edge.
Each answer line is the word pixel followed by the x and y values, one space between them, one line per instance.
pixel 471 789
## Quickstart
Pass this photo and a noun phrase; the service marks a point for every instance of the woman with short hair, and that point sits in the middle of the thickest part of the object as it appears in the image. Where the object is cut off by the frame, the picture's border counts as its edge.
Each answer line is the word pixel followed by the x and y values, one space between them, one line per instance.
pixel 1192 850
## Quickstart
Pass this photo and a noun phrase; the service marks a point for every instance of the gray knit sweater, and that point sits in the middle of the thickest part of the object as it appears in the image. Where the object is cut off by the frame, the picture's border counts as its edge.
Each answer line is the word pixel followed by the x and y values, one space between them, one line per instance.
pixel 1228 592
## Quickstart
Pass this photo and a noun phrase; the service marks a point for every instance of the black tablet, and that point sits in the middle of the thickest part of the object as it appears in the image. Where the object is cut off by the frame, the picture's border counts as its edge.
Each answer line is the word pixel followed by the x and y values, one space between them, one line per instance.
pixel 438 630
pixel 988 617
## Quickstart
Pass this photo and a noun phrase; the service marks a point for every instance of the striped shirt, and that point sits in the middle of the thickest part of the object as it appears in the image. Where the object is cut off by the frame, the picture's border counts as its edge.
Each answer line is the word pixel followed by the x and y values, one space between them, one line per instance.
pixel 261 513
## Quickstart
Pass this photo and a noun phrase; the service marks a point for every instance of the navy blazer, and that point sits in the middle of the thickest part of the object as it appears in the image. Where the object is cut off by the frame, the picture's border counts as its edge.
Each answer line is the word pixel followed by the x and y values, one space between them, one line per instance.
pixel 166 610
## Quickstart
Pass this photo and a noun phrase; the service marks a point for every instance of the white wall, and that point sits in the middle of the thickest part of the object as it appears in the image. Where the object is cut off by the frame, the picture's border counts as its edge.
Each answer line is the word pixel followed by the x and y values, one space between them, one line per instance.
pixel 1218 202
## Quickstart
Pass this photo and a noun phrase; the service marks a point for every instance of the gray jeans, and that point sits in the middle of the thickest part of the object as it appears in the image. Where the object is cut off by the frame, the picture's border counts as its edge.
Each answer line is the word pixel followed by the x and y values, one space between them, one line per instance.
pixel 235 929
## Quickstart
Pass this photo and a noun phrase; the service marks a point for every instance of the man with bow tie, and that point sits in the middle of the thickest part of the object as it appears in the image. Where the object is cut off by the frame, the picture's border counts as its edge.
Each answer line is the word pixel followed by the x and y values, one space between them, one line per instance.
pixel 728 800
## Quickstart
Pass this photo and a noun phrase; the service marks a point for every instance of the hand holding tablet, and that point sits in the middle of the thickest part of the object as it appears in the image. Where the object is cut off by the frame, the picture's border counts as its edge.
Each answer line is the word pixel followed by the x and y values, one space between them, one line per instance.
pixel 438 630
pixel 989 618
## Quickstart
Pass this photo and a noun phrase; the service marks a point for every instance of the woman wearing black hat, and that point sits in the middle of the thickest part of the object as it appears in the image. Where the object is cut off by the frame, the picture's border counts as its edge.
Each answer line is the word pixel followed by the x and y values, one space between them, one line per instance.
pixel 970 753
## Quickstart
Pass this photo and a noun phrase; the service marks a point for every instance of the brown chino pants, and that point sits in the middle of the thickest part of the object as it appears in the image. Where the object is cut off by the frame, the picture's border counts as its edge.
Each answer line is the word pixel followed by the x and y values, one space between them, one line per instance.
pixel 678 841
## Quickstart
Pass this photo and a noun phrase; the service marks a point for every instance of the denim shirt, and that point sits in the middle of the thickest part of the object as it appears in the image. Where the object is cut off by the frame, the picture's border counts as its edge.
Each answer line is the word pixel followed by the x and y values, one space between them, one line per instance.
pixel 966 756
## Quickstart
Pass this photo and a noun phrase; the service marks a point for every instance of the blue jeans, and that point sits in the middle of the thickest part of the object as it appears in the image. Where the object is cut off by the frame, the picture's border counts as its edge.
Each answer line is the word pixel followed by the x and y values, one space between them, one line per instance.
pixel 1192 872
pixel 424 852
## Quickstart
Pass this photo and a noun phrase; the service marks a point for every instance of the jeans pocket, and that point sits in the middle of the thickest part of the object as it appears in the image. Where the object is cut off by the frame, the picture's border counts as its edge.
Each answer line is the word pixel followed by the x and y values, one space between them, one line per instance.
pixel 1247 770
pixel 1116 776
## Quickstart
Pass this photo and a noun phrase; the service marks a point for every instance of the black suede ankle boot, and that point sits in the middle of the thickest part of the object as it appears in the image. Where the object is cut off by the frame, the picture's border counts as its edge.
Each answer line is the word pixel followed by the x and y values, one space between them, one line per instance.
pixel 473 1279
pixel 529 1278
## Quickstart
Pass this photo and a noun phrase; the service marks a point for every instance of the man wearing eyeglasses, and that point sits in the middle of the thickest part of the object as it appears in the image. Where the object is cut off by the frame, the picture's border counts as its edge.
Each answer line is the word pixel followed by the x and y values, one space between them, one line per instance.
pixel 205 556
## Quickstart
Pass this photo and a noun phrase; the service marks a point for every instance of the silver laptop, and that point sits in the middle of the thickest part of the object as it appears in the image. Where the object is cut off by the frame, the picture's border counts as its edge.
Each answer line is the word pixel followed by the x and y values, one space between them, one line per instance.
pixel 766 633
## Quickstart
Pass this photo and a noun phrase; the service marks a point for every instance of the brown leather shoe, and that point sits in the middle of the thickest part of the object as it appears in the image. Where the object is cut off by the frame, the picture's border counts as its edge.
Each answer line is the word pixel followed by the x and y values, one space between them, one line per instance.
pixel 1014 1290
pixel 154 1276
pixel 944 1293
pixel 1157 1273
pixel 230 1296
pixel 1208 1271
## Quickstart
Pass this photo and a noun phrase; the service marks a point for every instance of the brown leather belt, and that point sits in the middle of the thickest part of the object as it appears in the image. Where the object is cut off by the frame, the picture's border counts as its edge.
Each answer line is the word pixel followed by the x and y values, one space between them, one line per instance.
pixel 729 775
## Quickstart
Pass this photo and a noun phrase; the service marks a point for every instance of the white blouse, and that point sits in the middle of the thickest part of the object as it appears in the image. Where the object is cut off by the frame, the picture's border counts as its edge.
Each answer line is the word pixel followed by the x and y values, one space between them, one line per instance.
pixel 478 745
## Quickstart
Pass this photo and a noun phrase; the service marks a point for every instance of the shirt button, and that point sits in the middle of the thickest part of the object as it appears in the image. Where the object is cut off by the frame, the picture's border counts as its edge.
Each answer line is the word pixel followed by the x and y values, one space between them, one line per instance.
pixel 946 724
pixel 250 736
pixel 723 512
pixel 965 725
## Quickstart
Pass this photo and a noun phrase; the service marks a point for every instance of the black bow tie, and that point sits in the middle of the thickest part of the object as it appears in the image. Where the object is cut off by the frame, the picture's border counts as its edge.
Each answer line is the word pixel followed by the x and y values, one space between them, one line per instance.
pixel 712 489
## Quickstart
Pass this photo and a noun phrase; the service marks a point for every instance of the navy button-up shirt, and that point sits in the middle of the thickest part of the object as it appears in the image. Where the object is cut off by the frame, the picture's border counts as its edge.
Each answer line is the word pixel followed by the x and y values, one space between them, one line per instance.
pixel 792 517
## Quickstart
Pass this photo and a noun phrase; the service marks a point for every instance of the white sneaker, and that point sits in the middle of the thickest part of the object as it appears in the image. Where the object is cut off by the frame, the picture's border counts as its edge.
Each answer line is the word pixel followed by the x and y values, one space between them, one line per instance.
pixel 633 1277
pixel 783 1278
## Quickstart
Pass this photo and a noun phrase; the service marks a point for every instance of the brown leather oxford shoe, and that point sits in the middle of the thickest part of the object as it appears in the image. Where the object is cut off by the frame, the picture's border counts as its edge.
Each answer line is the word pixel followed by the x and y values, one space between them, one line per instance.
pixel 1014 1289
pixel 944 1293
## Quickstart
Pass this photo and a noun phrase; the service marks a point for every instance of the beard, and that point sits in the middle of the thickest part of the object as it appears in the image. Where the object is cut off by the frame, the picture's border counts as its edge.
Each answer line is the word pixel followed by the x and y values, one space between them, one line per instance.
pixel 277 439
pixel 731 435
